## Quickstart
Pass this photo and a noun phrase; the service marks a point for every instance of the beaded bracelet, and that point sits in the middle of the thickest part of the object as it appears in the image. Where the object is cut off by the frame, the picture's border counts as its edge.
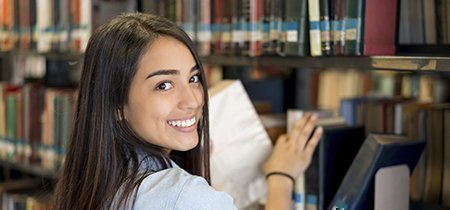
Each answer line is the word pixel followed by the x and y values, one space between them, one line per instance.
pixel 281 174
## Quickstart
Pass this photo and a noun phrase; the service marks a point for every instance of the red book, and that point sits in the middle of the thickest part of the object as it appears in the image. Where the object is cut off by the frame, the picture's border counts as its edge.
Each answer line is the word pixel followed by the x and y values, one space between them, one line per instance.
pixel 379 27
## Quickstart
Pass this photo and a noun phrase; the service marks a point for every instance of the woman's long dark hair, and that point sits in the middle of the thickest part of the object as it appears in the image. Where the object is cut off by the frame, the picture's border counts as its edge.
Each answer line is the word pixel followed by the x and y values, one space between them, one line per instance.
pixel 102 166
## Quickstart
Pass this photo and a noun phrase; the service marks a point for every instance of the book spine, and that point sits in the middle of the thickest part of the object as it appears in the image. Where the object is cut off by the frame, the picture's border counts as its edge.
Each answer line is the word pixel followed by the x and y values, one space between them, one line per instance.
pixel 292 19
pixel 353 27
pixel 204 29
pixel 256 27
pixel 276 28
pixel 446 164
pixel 312 183
pixel 299 193
pixel 339 28
pixel 380 27
pixel 325 27
pixel 314 28
pixel 225 33
pixel 237 28
pixel 85 24
pixel 246 22
pixel 217 26
pixel 266 21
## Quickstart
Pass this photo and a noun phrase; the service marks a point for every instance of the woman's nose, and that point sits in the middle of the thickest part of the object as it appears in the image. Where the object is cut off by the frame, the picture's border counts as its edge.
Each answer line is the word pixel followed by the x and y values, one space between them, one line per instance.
pixel 191 97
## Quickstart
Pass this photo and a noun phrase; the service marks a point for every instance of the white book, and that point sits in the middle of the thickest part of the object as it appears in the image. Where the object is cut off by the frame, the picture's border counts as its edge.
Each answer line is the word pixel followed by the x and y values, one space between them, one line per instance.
pixel 44 25
pixel 85 23
pixel 240 144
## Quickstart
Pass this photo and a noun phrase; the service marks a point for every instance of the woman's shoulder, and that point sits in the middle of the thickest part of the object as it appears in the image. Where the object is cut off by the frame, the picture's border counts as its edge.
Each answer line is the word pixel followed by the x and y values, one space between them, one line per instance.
pixel 174 188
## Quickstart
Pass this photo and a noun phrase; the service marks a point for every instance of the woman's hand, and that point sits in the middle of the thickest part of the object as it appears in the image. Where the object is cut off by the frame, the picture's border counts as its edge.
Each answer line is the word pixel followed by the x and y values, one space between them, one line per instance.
pixel 293 152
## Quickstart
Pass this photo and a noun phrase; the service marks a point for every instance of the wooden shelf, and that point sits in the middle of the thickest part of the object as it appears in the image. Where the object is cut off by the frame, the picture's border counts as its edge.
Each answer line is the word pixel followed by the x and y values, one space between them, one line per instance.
pixel 390 63
pixel 31 169
pixel 70 56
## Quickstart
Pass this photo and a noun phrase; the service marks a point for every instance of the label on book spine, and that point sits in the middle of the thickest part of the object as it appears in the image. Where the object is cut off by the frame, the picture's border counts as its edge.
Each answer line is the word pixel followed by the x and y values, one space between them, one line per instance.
pixel 311 202
pixel 351 30
pixel 314 33
pixel 246 31
pixel 292 31
pixel 325 30
pixel 225 36
pixel 204 34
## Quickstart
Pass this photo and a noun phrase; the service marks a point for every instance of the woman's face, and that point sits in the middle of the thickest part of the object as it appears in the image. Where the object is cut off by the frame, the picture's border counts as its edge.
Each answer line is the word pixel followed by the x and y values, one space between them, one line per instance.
pixel 166 96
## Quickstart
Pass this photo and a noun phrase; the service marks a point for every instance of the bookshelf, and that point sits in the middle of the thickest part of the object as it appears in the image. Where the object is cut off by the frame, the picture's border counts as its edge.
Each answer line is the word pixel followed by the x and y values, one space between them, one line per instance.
pixel 411 58
pixel 35 170
pixel 392 63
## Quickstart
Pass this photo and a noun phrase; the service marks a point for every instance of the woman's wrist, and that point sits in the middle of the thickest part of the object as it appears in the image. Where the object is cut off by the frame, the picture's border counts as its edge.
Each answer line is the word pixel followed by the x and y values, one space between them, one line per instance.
pixel 280 179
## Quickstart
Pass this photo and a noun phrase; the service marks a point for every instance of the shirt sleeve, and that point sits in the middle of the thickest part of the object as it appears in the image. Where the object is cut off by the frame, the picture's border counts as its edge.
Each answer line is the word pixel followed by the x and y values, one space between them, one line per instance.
pixel 197 194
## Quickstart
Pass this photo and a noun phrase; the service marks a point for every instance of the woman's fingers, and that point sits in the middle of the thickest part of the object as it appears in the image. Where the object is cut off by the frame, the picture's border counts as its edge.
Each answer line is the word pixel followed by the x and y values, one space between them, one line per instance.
pixel 298 127
pixel 306 132
pixel 312 143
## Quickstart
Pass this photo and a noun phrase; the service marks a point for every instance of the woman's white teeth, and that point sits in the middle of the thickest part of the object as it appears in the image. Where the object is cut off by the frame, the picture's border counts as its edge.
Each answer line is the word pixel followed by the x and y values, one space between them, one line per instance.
pixel 182 123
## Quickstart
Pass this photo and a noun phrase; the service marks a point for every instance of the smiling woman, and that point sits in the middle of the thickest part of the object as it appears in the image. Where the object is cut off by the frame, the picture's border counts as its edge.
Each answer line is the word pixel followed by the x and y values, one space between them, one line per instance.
pixel 166 98
pixel 140 138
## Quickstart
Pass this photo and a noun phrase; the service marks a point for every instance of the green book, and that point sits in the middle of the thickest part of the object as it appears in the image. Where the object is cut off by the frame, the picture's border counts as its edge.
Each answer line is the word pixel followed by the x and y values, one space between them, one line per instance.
pixel 11 116
pixel 354 14
pixel 295 20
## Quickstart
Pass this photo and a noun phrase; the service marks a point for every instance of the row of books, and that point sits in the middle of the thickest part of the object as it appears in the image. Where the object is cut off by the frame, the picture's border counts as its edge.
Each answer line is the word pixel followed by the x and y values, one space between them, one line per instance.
pixel 424 22
pixel 35 124
pixel 23 202
pixel 45 25
pixel 423 121
pixel 285 27
pixel 346 84
pixel 420 122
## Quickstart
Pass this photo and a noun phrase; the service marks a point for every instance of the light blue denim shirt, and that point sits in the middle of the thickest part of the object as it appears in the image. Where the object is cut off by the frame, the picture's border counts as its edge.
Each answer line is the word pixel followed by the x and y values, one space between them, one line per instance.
pixel 174 188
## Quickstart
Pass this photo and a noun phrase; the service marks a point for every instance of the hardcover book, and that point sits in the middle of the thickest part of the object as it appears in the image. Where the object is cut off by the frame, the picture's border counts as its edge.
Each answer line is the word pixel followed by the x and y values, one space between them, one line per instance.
pixel 378 150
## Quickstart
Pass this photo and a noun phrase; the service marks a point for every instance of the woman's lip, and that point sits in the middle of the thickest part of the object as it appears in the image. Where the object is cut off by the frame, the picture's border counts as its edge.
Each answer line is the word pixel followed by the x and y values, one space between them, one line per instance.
pixel 185 129
pixel 186 118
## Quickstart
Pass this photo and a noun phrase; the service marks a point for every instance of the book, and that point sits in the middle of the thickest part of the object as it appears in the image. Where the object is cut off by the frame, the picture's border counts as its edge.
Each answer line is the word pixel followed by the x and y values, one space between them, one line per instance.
pixel 256 27
pixel 324 11
pixel 446 164
pixel 314 28
pixel 267 15
pixel 377 151
pixel 204 28
pixel 337 26
pixel 429 15
pixel 336 151
pixel 353 27
pixel 434 154
pixel 295 19
pixel 306 189
pixel 2 112
pixel 237 27
pixel 240 144
pixel 380 27
pixel 351 110
pixel 216 28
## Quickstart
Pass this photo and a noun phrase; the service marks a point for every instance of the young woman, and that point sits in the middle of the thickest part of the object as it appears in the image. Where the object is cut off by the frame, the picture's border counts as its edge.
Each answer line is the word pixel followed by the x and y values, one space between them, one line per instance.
pixel 140 137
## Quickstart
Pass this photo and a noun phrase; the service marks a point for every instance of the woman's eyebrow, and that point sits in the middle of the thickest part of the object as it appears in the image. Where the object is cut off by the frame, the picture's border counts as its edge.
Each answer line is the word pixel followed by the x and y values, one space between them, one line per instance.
pixel 163 72
pixel 169 72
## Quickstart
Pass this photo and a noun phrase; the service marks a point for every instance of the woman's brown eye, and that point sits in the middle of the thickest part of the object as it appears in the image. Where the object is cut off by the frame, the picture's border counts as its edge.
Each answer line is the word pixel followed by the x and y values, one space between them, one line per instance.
pixel 195 79
pixel 164 86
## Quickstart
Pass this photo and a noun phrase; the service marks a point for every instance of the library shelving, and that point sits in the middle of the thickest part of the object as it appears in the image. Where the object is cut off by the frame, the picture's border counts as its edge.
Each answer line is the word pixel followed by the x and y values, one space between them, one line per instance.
pixel 217 33
pixel 393 63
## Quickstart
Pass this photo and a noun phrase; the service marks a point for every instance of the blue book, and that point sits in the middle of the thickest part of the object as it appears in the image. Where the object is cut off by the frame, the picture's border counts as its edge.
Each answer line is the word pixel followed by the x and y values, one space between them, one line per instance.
pixel 378 150
pixel 338 147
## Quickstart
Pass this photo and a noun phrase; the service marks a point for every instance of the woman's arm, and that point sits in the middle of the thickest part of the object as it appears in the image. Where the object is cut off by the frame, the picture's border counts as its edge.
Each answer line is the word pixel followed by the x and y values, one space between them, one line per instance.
pixel 291 156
